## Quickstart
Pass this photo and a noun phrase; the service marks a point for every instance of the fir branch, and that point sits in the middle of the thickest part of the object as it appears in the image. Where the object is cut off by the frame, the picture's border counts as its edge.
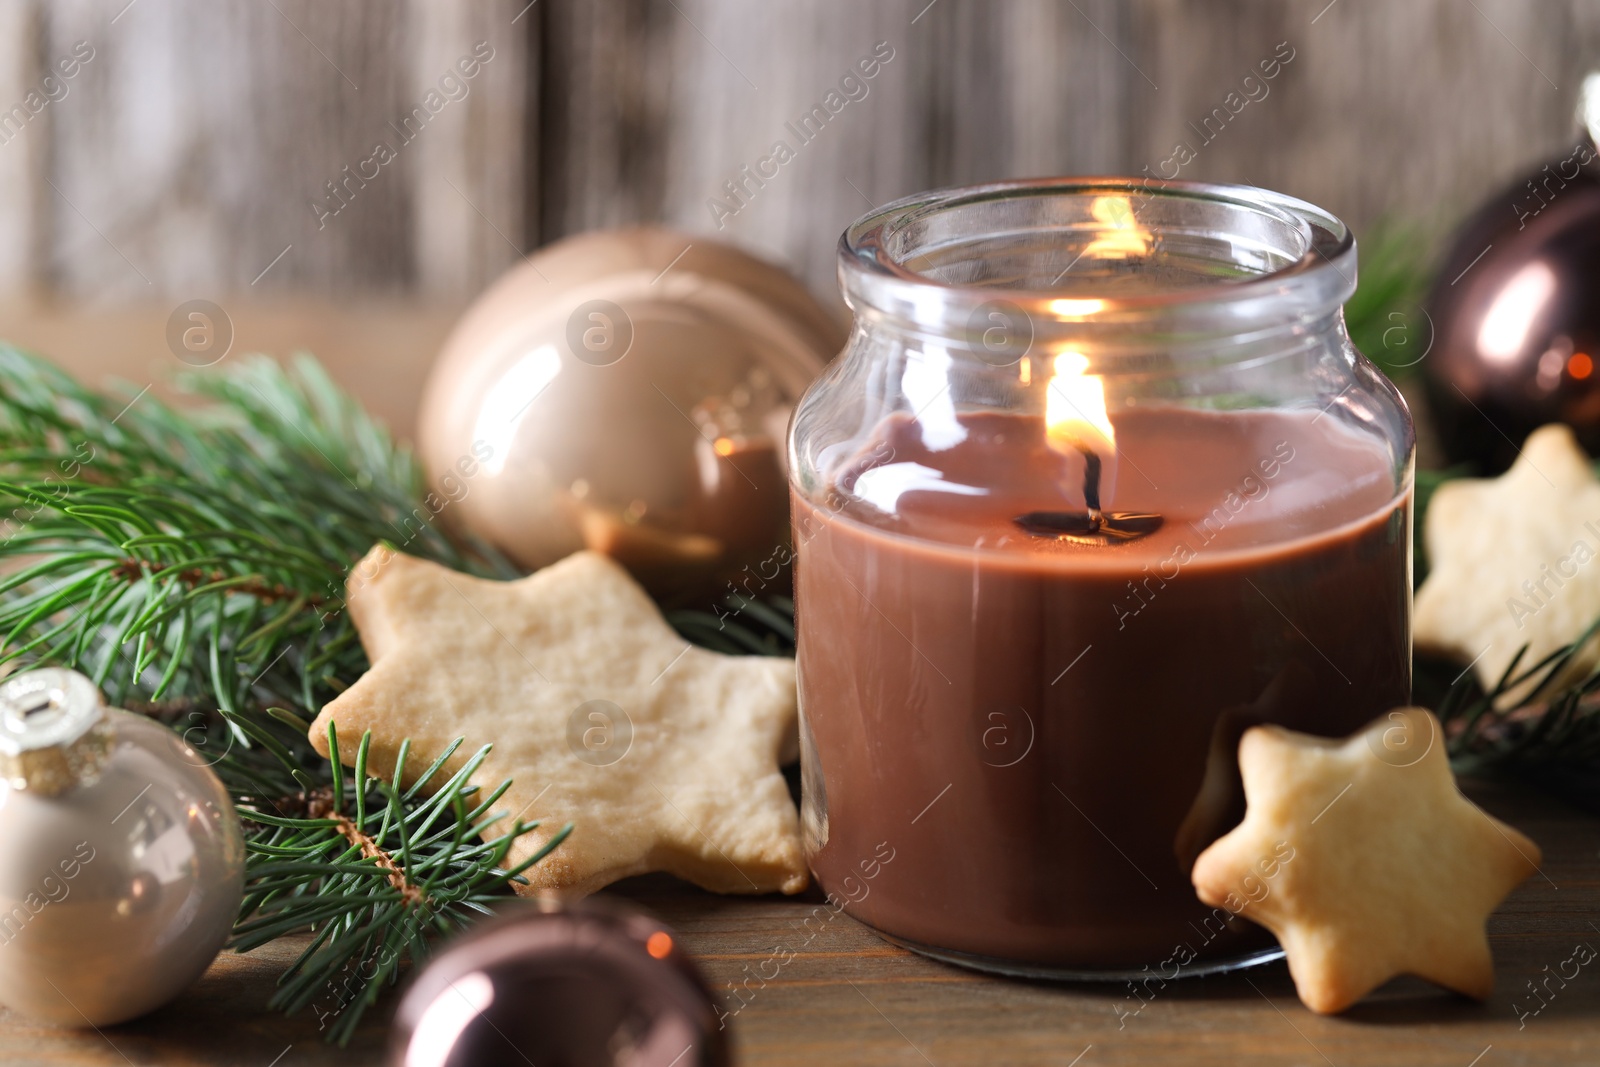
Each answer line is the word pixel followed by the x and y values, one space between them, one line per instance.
pixel 372 867
pixel 192 563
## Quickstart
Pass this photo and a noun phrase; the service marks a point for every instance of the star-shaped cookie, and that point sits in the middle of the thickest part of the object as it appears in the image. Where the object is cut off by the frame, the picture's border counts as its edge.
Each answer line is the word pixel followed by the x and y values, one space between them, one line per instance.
pixel 1365 860
pixel 1513 563
pixel 663 756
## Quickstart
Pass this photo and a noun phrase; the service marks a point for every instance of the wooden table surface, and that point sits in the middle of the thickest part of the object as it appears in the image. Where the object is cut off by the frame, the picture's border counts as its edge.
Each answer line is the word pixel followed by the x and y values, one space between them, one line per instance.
pixel 849 998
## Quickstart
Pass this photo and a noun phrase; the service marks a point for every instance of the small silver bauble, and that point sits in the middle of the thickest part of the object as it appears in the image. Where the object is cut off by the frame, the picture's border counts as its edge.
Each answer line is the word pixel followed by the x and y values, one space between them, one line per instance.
pixel 121 856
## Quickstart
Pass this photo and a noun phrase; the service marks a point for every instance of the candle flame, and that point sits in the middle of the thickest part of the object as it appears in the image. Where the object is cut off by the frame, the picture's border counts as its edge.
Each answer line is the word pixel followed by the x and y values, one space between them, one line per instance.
pixel 1069 308
pixel 1120 236
pixel 1075 408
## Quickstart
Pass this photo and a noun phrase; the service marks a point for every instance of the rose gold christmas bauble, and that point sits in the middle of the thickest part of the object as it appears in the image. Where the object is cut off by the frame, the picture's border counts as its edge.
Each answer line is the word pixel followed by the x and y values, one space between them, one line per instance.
pixel 627 391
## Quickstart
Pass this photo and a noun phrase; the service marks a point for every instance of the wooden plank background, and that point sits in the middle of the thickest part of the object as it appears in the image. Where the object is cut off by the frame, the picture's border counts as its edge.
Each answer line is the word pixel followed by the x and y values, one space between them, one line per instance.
pixel 183 160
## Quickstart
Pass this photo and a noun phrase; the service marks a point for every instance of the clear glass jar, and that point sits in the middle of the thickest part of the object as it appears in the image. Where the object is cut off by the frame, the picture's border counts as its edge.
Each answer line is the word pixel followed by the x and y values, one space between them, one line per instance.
pixel 1098 483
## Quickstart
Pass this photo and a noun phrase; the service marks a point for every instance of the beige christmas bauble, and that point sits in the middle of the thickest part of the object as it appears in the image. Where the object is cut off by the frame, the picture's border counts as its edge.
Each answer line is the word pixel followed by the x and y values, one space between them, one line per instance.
pixel 627 391
pixel 122 860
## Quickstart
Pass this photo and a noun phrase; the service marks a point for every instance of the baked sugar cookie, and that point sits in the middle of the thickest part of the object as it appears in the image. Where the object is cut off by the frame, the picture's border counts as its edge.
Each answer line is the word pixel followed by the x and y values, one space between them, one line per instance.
pixel 1365 860
pixel 662 756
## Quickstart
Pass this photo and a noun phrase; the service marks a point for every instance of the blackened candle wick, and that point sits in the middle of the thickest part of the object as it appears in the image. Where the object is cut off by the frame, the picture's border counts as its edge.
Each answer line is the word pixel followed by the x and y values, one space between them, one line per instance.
pixel 1091 482
pixel 1092 525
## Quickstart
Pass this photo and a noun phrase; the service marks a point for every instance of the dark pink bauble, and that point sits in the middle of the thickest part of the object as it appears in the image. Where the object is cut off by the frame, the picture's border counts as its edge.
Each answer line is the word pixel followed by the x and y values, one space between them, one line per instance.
pixel 1515 311
pixel 590 985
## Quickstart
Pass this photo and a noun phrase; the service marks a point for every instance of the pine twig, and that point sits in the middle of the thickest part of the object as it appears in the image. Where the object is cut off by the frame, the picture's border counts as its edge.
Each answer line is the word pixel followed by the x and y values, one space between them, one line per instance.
pixel 192 563
pixel 372 868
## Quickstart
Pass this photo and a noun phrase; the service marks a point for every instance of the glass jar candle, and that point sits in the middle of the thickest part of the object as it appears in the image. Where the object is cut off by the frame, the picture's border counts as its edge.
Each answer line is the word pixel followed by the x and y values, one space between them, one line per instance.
pixel 1098 483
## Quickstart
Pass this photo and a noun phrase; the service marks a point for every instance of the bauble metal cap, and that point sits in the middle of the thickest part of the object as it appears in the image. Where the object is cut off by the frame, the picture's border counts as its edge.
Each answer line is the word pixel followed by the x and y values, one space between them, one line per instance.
pixel 49 735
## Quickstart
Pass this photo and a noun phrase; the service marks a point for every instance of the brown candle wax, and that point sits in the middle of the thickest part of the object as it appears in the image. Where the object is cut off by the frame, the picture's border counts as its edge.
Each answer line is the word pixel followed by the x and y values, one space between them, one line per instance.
pixel 1043 731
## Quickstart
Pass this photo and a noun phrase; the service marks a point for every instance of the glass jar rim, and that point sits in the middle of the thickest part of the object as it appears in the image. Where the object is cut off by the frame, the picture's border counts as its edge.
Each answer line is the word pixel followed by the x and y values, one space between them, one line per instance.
pixel 1312 272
